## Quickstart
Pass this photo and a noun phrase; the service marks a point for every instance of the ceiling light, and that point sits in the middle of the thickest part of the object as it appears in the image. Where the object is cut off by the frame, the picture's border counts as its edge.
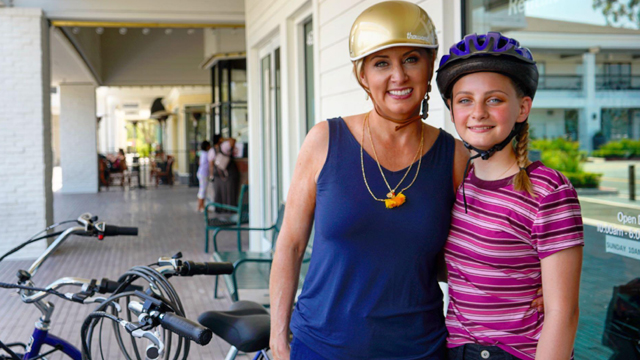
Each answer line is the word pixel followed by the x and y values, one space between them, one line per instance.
pixel 191 31
pixel 75 30
pixel 146 31
pixel 99 30
pixel 122 31
pixel 168 31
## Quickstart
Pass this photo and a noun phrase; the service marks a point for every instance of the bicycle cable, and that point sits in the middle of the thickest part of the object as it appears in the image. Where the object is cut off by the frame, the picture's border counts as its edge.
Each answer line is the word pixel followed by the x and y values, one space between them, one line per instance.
pixel 30 241
pixel 163 290
pixel 23 287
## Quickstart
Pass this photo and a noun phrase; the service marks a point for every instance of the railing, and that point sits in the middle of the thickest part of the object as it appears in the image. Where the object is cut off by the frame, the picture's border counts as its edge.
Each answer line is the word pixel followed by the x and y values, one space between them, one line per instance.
pixel 617 82
pixel 560 82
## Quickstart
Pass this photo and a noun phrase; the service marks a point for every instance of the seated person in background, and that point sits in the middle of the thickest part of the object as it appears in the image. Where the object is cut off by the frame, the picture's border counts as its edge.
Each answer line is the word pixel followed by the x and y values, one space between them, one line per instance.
pixel 119 164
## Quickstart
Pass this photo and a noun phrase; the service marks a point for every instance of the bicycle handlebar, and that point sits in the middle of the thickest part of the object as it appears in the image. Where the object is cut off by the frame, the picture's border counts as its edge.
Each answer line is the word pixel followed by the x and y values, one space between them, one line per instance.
pixel 186 328
pixel 190 268
pixel 112 230
pixel 107 286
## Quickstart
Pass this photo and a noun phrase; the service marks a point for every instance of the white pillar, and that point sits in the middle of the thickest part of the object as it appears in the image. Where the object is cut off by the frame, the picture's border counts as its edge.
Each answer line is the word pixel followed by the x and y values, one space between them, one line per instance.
pixel 589 122
pixel 26 200
pixel 78 144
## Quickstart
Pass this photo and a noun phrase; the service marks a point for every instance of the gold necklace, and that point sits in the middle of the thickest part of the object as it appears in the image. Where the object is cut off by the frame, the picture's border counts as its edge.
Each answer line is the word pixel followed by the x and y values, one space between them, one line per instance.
pixel 393 200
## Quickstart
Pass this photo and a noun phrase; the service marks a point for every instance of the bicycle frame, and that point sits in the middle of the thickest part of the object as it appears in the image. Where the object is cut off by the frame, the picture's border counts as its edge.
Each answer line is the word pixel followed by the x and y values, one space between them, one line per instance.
pixel 42 337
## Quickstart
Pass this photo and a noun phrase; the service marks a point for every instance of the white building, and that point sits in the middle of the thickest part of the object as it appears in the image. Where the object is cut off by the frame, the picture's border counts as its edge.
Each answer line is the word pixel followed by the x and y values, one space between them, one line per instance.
pixel 297 74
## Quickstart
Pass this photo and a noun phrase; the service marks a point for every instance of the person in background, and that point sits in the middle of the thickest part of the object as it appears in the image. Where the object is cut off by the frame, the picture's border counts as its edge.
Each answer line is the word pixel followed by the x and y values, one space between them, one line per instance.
pixel 516 225
pixel 120 162
pixel 225 173
pixel 203 173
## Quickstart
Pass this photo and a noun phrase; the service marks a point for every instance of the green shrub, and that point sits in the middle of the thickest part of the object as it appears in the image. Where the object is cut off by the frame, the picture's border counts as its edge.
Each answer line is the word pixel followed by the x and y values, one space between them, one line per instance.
pixel 565 156
pixel 584 180
pixel 624 148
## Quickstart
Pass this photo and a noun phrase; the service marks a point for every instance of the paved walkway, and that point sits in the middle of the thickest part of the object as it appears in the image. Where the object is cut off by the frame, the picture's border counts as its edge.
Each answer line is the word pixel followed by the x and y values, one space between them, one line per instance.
pixel 167 223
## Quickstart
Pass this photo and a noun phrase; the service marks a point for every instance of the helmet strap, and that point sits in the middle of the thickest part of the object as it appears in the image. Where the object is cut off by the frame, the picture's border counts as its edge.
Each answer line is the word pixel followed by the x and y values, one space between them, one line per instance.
pixel 486 154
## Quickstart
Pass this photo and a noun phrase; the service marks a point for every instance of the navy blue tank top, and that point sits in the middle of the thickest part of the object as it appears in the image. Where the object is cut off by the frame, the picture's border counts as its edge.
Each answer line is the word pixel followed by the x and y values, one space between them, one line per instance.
pixel 371 290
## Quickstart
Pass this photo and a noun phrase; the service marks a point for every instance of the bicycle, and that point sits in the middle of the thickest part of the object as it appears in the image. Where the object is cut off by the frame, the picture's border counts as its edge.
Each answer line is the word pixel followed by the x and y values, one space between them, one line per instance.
pixel 245 326
pixel 30 294
pixel 160 308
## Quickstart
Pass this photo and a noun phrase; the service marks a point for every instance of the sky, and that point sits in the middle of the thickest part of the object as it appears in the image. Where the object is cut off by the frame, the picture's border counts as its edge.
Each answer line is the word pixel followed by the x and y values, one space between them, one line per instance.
pixel 570 10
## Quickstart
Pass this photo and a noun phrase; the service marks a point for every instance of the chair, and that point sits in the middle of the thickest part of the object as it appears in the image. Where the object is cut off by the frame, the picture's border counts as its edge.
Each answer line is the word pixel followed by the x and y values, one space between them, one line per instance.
pixel 240 217
pixel 241 257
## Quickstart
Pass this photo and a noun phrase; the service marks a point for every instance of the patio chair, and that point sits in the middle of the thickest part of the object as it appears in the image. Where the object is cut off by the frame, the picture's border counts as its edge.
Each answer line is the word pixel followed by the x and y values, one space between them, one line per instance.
pixel 219 221
pixel 260 274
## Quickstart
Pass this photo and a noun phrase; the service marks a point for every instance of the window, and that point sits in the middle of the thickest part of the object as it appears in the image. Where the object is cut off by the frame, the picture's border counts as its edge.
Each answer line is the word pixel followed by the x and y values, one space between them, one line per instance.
pixel 229 108
pixel 309 74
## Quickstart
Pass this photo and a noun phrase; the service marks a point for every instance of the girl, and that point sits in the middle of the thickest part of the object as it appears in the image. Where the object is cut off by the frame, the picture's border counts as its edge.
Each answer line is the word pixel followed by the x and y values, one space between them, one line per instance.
pixel 516 225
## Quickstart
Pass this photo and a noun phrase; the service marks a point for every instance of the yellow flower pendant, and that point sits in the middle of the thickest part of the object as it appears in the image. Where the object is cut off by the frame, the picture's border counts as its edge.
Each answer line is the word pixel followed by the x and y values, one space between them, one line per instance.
pixel 394 200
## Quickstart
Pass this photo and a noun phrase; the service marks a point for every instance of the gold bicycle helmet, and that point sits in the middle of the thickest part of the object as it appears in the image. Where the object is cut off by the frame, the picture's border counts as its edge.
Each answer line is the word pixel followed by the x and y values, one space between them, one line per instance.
pixel 390 24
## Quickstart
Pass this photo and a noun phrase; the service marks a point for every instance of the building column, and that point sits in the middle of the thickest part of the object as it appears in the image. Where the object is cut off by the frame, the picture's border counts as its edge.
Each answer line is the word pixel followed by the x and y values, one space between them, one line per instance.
pixel 78 143
pixel 590 115
pixel 26 199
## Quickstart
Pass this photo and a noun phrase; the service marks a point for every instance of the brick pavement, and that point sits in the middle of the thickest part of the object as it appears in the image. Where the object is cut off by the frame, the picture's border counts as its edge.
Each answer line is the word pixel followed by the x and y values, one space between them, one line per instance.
pixel 167 223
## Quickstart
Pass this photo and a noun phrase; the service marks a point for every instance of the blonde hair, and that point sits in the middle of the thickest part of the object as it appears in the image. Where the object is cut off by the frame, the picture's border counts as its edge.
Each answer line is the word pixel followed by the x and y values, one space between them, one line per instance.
pixel 521 182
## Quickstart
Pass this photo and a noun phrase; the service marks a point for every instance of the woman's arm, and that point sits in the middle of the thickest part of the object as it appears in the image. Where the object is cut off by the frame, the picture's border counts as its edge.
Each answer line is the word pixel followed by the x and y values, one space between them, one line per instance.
pixel 561 283
pixel 294 236
pixel 460 158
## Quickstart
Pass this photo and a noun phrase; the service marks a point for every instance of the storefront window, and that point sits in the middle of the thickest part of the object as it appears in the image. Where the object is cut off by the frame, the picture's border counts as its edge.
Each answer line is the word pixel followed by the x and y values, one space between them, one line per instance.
pixel 229 106
pixel 588 54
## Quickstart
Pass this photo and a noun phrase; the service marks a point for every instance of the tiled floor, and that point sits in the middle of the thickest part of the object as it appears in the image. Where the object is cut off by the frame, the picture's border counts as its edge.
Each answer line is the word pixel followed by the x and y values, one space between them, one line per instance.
pixel 167 223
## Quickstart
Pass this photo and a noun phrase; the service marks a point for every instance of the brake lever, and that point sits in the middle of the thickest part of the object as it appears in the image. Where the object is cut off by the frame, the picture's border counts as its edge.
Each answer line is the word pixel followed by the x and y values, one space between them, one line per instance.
pixel 100 300
pixel 154 351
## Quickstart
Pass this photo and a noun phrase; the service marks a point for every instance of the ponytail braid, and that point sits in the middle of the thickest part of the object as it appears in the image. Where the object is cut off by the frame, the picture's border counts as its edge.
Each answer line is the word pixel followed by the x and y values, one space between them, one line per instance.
pixel 522 182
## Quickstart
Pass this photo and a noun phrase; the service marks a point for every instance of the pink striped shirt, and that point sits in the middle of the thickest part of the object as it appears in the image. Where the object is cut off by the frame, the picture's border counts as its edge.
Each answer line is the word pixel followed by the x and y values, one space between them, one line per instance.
pixel 493 257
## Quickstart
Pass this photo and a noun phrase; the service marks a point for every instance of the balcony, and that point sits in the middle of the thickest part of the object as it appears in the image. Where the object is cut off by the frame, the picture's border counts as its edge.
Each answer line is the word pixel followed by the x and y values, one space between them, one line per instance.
pixel 617 82
pixel 560 82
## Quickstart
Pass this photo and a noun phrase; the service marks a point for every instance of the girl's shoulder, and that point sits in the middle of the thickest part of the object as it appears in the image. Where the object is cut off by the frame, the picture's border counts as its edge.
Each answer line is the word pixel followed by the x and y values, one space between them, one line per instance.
pixel 546 180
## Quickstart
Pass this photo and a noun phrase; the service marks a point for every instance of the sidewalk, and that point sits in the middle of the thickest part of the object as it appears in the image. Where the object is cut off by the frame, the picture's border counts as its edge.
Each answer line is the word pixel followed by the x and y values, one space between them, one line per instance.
pixel 168 223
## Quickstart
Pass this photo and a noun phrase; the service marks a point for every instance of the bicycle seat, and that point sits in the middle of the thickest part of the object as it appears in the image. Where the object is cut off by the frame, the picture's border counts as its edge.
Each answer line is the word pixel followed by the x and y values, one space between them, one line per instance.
pixel 248 308
pixel 246 325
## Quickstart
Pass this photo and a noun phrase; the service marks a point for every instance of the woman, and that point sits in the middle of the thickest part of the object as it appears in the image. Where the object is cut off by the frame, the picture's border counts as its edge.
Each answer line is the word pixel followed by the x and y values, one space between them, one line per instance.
pixel 224 170
pixel 375 183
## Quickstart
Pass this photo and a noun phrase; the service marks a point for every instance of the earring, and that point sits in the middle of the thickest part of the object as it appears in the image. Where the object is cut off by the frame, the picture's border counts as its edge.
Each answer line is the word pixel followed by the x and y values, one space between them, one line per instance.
pixel 425 103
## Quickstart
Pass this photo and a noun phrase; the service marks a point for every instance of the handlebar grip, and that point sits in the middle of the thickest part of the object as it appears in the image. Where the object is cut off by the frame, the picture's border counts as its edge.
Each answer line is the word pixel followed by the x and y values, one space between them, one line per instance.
pixel 112 230
pixel 109 286
pixel 186 328
pixel 190 268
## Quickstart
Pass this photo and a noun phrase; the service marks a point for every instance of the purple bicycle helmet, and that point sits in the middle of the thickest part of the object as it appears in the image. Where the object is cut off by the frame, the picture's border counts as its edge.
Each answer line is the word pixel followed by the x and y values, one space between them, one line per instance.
pixel 492 52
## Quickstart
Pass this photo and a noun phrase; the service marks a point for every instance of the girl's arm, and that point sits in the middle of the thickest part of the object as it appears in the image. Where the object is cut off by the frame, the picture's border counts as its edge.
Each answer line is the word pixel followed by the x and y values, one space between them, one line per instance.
pixel 561 283
pixel 294 236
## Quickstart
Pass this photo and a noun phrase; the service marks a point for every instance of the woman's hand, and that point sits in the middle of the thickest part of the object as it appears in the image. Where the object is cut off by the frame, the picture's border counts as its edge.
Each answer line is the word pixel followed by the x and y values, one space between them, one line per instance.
pixel 538 302
pixel 280 349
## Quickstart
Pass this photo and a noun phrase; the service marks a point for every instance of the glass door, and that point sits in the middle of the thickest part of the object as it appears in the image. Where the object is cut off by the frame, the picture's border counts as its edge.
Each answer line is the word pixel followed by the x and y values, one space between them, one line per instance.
pixel 270 114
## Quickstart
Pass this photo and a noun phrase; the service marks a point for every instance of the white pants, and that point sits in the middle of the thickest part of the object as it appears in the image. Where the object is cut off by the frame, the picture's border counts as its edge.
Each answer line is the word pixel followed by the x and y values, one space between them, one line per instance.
pixel 204 182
